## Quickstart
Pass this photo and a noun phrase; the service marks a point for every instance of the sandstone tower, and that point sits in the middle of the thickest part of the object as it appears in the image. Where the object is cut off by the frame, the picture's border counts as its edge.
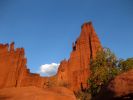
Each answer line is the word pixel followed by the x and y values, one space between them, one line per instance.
pixel 75 71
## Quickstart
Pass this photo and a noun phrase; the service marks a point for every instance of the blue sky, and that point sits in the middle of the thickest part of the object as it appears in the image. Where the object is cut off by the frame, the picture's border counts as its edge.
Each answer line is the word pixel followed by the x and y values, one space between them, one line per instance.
pixel 47 28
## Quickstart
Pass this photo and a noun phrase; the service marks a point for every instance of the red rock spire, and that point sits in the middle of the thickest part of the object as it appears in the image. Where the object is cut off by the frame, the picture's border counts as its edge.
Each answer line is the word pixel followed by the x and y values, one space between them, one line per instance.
pixel 89 35
pixel 77 68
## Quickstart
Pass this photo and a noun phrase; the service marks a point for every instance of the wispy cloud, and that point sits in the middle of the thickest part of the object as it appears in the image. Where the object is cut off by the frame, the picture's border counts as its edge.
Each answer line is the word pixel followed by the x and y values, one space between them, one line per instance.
pixel 49 69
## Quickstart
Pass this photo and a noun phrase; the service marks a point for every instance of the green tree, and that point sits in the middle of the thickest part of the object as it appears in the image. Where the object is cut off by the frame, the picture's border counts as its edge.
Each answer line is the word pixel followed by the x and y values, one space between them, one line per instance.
pixel 103 69
pixel 126 65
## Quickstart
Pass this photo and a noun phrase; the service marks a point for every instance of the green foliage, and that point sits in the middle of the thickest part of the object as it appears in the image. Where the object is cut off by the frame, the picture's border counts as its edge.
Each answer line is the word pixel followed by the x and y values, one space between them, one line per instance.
pixel 103 69
pixel 83 95
pixel 126 65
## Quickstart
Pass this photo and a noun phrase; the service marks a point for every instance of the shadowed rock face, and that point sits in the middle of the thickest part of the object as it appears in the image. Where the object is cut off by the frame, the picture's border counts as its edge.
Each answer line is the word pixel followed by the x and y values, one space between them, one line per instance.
pixel 122 85
pixel 120 88
pixel 75 71
pixel 72 73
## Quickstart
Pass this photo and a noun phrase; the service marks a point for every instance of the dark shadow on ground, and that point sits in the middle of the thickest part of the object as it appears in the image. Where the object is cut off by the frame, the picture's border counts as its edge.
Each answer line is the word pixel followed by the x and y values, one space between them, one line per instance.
pixel 106 94
pixel 3 97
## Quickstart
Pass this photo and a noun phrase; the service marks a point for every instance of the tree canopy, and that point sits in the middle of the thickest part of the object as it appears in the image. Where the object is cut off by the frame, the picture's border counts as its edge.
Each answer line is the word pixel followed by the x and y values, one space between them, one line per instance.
pixel 103 69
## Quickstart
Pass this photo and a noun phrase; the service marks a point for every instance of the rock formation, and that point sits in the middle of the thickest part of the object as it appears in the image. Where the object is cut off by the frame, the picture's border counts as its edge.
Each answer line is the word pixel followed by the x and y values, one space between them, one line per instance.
pixel 14 72
pixel 122 85
pixel 75 72
pixel 120 88
pixel 12 65
pixel 72 73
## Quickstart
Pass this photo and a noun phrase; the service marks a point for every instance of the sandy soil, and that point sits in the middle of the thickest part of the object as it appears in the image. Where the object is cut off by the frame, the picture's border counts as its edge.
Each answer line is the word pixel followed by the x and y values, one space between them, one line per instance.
pixel 34 93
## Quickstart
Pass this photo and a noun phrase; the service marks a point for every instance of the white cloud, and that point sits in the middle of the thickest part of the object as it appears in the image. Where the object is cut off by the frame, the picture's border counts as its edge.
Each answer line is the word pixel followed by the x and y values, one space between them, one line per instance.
pixel 49 69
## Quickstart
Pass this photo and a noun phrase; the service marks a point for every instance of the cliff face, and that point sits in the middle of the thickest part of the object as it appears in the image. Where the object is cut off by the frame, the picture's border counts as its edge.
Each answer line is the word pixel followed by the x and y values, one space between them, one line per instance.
pixel 75 72
pixel 13 69
pixel 72 73
pixel 12 65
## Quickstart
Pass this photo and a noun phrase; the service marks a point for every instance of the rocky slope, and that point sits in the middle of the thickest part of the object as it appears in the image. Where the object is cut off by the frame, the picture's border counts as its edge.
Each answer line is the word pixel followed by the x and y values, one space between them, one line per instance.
pixel 34 93
pixel 120 88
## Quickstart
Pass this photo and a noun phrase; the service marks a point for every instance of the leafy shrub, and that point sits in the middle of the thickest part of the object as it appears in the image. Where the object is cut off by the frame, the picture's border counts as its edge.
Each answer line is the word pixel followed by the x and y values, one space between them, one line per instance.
pixel 103 69
pixel 126 65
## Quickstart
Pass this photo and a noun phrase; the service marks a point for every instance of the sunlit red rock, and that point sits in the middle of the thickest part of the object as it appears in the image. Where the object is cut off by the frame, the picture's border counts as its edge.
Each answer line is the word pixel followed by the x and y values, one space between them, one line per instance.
pixel 13 69
pixel 75 71
pixel 12 65
pixel 72 73
pixel 35 93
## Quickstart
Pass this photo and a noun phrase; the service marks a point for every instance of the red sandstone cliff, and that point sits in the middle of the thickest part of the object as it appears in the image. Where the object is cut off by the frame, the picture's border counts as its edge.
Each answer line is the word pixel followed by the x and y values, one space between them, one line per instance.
pixel 12 65
pixel 75 71
pixel 72 73
pixel 13 69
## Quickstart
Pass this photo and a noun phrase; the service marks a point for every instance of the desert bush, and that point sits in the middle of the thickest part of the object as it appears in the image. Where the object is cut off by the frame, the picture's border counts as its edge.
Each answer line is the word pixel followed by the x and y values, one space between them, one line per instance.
pixel 83 95
pixel 103 68
pixel 125 65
